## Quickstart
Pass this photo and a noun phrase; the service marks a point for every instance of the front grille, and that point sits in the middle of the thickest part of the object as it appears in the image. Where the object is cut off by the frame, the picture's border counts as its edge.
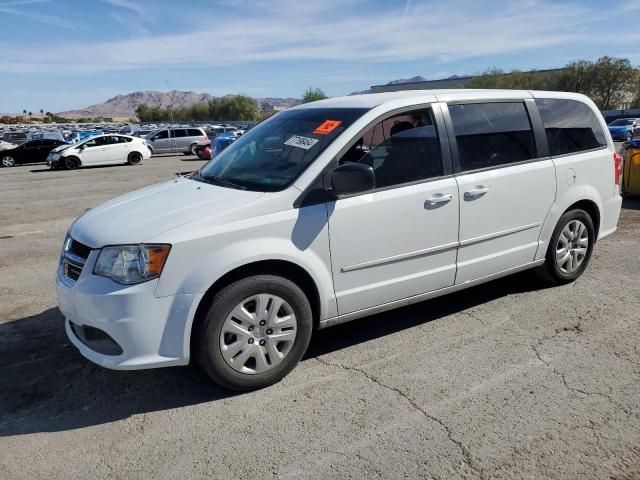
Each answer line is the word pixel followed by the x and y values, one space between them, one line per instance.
pixel 71 270
pixel 75 256
pixel 79 249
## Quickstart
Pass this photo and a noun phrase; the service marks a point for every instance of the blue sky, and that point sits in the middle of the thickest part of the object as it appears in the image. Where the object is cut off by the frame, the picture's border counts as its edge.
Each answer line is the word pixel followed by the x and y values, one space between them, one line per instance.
pixel 58 55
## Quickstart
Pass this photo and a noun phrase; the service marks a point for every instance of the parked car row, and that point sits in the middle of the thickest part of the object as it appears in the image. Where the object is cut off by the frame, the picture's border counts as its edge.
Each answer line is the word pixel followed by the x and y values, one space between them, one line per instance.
pixel 188 140
pixel 109 149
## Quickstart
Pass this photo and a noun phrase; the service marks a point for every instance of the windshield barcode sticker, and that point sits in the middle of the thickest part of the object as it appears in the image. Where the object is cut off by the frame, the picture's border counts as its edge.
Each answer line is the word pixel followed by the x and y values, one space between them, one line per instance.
pixel 301 142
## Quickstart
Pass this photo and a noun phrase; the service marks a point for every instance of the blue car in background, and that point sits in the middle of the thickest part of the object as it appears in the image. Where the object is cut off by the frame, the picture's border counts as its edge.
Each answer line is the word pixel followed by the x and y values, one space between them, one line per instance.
pixel 80 136
pixel 222 141
pixel 622 128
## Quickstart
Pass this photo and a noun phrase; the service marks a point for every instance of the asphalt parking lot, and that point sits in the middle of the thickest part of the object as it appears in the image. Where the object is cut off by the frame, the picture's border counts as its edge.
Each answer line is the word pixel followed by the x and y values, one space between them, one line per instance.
pixel 511 379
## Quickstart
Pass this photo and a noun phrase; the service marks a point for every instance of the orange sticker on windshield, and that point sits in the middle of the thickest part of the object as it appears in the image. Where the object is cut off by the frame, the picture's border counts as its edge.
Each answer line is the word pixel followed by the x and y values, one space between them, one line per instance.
pixel 327 127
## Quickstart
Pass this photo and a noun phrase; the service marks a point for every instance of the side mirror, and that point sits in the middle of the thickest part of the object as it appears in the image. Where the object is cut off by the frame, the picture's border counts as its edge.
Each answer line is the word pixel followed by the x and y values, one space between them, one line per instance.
pixel 352 178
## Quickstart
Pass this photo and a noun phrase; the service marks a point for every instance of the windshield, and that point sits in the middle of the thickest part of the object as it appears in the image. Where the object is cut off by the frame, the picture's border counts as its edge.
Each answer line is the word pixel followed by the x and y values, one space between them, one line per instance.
pixel 270 156
pixel 621 122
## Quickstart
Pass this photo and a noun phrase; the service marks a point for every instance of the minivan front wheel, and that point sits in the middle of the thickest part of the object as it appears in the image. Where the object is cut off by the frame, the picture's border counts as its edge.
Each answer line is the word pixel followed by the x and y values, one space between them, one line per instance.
pixel 570 248
pixel 255 332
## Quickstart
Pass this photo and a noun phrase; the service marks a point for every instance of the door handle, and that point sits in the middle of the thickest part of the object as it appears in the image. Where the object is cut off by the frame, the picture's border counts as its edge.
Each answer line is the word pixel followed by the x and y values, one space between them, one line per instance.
pixel 476 192
pixel 438 198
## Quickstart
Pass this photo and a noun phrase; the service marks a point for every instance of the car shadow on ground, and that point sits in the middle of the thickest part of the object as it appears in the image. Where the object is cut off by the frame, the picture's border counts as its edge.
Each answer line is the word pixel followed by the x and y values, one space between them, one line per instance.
pixel 90 167
pixel 631 203
pixel 46 386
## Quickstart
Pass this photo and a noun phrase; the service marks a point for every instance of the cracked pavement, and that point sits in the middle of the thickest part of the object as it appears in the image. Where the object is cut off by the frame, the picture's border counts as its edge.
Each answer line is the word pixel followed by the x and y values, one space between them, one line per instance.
pixel 511 379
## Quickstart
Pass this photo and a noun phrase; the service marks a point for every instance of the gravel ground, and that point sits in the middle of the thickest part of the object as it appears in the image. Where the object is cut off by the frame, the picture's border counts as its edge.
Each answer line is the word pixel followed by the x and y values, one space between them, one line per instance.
pixel 510 379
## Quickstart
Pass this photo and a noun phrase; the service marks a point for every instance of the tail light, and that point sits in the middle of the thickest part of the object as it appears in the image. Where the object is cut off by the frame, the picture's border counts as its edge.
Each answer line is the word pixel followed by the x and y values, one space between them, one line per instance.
pixel 617 168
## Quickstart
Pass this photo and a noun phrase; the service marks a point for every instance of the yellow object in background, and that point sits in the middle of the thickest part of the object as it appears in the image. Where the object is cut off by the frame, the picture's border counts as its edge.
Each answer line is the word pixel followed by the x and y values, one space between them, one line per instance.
pixel 631 172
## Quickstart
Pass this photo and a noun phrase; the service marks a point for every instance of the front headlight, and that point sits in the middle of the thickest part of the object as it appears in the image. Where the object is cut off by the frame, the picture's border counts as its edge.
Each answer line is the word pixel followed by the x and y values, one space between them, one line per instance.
pixel 129 264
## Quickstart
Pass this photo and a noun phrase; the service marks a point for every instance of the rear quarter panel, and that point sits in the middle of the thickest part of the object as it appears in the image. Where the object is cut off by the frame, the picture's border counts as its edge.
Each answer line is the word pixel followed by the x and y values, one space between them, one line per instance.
pixel 581 176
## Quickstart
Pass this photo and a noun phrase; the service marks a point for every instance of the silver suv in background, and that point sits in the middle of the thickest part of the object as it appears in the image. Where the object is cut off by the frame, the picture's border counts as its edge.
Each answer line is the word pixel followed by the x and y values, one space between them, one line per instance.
pixel 172 140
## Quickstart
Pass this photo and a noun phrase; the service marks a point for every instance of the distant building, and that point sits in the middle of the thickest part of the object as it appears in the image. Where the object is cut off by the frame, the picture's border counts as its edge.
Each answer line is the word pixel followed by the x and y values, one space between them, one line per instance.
pixel 451 82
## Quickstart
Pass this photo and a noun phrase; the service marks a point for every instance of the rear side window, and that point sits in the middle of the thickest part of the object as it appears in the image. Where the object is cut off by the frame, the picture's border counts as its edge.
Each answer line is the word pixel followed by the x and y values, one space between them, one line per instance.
pixel 194 132
pixel 571 126
pixel 492 134
pixel 179 133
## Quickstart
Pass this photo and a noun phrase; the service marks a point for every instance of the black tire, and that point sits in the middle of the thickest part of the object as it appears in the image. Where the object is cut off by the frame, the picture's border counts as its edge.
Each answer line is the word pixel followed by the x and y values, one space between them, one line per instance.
pixel 193 149
pixel 207 345
pixel 134 158
pixel 71 163
pixel 551 270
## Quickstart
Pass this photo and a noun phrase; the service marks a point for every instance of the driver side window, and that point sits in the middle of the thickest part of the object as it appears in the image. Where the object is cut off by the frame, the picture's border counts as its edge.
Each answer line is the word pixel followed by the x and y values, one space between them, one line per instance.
pixel 400 149
pixel 161 135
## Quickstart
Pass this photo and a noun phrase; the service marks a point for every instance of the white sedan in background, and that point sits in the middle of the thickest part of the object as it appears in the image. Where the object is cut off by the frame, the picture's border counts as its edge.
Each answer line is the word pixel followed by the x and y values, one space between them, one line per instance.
pixel 6 145
pixel 109 149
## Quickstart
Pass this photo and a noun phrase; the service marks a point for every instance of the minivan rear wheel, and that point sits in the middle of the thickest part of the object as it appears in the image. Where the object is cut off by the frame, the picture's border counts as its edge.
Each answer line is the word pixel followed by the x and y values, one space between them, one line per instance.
pixel 193 149
pixel 570 248
pixel 254 333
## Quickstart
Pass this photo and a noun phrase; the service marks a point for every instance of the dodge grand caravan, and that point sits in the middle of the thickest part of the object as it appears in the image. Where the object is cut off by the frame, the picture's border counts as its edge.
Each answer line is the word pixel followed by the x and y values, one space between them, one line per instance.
pixel 332 211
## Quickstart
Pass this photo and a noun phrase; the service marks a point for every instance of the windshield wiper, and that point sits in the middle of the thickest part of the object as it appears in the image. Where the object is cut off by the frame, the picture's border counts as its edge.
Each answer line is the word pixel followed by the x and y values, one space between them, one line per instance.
pixel 218 180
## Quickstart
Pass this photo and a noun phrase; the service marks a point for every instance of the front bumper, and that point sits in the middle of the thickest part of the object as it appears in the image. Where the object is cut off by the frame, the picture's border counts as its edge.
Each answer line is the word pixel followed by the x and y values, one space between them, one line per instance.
pixel 149 331
pixel 54 160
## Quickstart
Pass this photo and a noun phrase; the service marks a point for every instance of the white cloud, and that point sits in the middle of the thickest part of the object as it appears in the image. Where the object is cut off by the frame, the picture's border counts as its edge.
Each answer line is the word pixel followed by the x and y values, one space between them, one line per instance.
pixel 128 5
pixel 11 8
pixel 135 27
pixel 287 31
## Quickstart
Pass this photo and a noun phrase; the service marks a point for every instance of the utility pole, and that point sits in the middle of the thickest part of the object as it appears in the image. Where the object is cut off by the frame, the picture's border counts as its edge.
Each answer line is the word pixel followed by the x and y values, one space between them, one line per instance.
pixel 171 104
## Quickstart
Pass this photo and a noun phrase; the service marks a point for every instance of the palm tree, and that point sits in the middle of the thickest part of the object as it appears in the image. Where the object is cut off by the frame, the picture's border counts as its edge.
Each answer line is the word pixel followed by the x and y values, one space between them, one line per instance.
pixel 42 112
pixel 24 112
pixel 30 114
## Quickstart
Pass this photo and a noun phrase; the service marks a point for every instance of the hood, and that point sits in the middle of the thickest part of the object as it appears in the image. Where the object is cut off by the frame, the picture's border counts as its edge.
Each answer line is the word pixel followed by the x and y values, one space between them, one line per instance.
pixel 62 147
pixel 143 214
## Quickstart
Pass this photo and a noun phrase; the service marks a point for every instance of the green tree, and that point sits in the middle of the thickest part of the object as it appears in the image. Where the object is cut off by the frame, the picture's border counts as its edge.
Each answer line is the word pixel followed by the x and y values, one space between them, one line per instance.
pixel 30 115
pixel 236 107
pixel 613 82
pixel 313 94
pixel 635 95
pixel 515 80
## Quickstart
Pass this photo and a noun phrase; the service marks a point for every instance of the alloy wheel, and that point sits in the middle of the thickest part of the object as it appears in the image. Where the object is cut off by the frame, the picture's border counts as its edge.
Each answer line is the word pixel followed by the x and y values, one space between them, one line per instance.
pixel 572 246
pixel 258 334
pixel 8 161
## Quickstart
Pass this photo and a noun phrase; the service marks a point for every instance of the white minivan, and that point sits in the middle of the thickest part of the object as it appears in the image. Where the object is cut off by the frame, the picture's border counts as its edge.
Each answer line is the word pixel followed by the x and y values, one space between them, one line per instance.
pixel 336 210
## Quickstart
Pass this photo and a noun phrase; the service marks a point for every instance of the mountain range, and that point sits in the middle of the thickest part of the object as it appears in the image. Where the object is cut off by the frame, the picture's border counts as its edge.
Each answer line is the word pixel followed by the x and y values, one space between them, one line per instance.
pixel 125 105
